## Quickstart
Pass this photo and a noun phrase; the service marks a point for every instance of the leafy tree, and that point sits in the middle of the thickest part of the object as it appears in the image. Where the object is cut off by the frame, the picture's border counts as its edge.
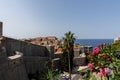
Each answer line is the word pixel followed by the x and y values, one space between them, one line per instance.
pixel 68 53
pixel 116 45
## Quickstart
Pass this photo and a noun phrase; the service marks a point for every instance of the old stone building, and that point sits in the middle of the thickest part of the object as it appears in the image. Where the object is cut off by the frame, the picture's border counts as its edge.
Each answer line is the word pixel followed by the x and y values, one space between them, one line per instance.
pixel 80 54
pixel 20 58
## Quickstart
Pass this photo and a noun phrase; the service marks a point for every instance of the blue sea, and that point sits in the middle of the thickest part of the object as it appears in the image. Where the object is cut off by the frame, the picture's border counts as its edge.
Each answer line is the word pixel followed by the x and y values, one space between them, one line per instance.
pixel 93 42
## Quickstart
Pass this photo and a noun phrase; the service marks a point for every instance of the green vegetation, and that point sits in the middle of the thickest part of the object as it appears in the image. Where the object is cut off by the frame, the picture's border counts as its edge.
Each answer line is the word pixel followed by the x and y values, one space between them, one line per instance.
pixel 116 45
pixel 68 53
pixel 105 61
pixel 96 59
pixel 116 63
pixel 52 75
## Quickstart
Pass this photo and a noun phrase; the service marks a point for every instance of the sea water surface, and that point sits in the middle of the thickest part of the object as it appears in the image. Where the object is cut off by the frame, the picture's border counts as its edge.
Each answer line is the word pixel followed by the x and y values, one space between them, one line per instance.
pixel 93 42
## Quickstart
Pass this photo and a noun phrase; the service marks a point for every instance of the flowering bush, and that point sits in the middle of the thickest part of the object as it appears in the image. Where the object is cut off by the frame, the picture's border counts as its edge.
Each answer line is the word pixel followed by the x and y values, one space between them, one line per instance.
pixel 104 61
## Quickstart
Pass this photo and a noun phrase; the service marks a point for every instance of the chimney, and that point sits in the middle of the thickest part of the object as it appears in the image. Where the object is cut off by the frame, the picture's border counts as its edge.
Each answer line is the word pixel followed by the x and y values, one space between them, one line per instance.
pixel 1 24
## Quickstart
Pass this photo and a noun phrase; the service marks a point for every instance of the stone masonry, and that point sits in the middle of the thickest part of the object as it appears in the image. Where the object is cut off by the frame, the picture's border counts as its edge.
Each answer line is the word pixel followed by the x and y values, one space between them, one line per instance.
pixel 19 58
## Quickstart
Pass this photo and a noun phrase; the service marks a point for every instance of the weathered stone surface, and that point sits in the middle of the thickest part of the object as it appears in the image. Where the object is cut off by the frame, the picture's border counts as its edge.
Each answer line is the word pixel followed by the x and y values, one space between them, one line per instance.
pixel 12 69
pixel 13 66
pixel 27 49
pixel 80 61
pixel 34 64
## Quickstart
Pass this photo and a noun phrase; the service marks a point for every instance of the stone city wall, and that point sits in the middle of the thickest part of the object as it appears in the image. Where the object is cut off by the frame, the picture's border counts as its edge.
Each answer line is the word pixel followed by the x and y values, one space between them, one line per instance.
pixel 12 68
pixel 27 49
pixel 34 64
pixel 34 56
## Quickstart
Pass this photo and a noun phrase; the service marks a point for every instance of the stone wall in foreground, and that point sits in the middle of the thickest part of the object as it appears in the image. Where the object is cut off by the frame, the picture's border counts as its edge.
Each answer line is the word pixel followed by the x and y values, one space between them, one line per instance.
pixel 27 49
pixel 34 64
pixel 12 69
pixel 34 59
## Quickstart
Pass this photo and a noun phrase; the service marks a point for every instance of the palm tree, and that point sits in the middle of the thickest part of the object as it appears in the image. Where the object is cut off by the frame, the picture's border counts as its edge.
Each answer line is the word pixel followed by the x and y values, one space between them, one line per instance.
pixel 68 43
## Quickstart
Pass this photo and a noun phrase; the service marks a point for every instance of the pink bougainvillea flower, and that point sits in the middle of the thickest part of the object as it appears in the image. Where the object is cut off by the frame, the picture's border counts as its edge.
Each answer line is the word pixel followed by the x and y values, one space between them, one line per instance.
pixel 96 50
pixel 100 45
pixel 107 70
pixel 91 66
pixel 102 73
pixel 93 53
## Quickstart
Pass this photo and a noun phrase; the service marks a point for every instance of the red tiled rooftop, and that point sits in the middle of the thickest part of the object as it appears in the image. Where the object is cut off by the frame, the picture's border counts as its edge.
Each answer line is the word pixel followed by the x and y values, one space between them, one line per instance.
pixel 59 51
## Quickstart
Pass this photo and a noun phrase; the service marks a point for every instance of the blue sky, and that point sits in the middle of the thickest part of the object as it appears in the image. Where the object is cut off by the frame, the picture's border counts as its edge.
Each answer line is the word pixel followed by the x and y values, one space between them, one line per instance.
pixel 86 18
